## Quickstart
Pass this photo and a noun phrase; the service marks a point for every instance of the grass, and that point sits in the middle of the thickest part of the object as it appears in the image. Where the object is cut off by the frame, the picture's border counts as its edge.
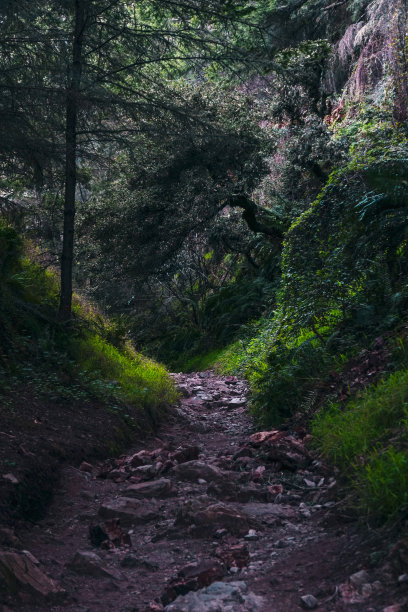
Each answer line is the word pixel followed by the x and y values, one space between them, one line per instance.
pixel 202 362
pixel 368 441
pixel 132 377
pixel 90 358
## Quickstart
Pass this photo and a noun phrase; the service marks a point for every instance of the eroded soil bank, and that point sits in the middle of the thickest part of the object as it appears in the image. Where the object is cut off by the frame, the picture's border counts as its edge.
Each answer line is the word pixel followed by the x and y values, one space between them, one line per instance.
pixel 210 515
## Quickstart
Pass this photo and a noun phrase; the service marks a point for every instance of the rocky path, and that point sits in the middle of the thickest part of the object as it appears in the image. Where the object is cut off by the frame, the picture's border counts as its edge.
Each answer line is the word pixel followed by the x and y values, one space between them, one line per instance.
pixel 209 516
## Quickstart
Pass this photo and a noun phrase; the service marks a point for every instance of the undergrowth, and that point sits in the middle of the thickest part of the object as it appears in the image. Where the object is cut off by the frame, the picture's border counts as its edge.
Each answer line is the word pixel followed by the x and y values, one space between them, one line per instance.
pixel 90 358
pixel 367 439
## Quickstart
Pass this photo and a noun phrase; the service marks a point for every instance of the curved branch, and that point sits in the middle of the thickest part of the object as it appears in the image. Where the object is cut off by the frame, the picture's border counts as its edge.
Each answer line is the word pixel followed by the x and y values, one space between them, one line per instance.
pixel 250 214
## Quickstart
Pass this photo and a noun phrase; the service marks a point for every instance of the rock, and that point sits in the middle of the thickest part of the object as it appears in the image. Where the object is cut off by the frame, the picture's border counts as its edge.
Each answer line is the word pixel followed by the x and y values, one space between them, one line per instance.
pixel 117 475
pixel 281 448
pixel 9 538
pixel 189 453
pixel 236 402
pixel 11 478
pixel 140 458
pixel 394 608
pixel 359 578
pixel 274 490
pixel 109 534
pixel 90 564
pixel 219 516
pixel 143 472
pixel 309 602
pixel 262 436
pixel 251 536
pixel 244 451
pixel 131 561
pixel 207 519
pixel 193 577
pixel 230 491
pixel 156 488
pixel 258 473
pixel 304 510
pixel 235 555
pixel 21 577
pixel 129 510
pixel 85 467
pixel 265 512
pixel 185 390
pixel 205 398
pixel 403 578
pixel 193 470
pixel 231 596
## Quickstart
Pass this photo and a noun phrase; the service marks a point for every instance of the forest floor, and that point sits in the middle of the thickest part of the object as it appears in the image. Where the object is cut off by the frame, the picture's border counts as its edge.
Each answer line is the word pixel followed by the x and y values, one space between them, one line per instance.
pixel 209 515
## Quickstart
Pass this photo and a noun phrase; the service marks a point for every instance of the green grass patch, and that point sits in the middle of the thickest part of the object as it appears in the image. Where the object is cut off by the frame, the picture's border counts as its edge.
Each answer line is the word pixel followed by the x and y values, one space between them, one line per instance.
pixel 129 375
pixel 202 362
pixel 367 440
pixel 89 358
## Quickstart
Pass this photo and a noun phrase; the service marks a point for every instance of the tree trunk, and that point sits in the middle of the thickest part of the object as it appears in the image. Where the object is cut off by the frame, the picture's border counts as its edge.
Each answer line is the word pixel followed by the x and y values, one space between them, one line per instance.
pixel 72 101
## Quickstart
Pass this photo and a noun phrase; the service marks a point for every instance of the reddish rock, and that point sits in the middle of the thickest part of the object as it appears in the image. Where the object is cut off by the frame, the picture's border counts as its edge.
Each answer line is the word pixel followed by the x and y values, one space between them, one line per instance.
pixel 156 488
pixel 117 475
pixel 21 577
pixel 274 490
pixel 219 516
pixel 189 453
pixel 262 436
pixel 90 564
pixel 109 534
pixel 140 458
pixel 86 467
pixel 193 577
pixel 130 511
pixel 286 451
pixel 230 491
pixel 235 555
pixel 258 473
pixel 192 471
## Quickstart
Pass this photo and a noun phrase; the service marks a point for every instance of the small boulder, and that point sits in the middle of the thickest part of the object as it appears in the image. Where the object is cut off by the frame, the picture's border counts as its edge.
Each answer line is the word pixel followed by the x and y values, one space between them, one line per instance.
pixel 193 470
pixel 359 578
pixel 235 555
pixel 109 535
pixel 219 596
pixel 130 511
pixel 156 488
pixel 309 602
pixel 90 564
pixel 85 467
pixel 189 453
pixel 21 576
pixel 193 577
pixel 220 516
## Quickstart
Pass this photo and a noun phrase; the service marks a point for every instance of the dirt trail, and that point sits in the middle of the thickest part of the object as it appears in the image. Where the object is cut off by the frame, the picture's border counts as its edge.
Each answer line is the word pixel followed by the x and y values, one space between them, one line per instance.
pixel 212 518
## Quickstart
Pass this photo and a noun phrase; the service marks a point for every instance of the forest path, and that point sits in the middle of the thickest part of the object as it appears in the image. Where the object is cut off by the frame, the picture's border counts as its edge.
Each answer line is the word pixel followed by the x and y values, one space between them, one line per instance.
pixel 206 502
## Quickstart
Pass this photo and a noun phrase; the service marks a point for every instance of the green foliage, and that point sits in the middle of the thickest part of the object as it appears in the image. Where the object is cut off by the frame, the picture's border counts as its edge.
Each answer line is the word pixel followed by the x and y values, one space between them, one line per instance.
pixel 347 251
pixel 358 437
pixel 382 484
pixel 68 363
pixel 126 374
pixel 283 372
